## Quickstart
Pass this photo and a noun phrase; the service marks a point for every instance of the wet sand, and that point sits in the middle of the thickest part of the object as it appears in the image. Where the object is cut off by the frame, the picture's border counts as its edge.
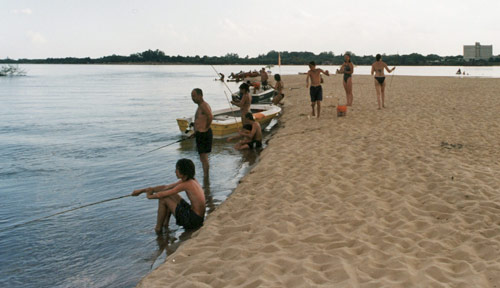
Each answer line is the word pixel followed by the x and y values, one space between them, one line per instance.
pixel 408 196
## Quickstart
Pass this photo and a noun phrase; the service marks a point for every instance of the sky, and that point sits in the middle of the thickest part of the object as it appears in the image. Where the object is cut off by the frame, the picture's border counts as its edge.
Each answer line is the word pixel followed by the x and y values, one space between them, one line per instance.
pixel 90 28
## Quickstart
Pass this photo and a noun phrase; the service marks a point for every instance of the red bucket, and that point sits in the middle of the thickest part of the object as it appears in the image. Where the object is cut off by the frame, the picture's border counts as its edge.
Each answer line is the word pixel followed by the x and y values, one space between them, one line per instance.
pixel 341 110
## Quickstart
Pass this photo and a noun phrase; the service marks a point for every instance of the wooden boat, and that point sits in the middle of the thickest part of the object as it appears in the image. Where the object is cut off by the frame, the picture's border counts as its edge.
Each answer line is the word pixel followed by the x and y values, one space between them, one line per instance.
pixel 227 122
pixel 258 95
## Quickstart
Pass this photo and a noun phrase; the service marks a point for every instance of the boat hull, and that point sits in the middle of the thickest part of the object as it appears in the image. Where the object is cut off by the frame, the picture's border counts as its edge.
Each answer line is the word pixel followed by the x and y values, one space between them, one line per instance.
pixel 225 124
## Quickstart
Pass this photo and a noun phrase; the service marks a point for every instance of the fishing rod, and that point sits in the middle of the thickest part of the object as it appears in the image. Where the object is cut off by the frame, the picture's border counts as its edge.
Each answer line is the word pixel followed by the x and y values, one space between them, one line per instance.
pixel 222 81
pixel 172 143
pixel 227 98
pixel 64 212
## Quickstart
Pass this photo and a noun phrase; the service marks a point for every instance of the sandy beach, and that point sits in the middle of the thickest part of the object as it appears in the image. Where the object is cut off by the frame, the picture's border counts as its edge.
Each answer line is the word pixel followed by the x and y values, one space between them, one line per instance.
pixel 408 196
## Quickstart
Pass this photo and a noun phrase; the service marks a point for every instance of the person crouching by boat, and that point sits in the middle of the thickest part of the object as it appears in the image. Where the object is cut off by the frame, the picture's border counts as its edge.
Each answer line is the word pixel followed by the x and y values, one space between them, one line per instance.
pixel 378 69
pixel 251 134
pixel 278 87
pixel 263 77
pixel 202 131
pixel 245 101
pixel 190 216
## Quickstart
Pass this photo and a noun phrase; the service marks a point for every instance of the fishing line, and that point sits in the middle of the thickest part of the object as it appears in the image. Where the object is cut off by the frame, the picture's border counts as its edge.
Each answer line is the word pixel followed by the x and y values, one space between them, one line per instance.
pixel 63 212
pixel 180 140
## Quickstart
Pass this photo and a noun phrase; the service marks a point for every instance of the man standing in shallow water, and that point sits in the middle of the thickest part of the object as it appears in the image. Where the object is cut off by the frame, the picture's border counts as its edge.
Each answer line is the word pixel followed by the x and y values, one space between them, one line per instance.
pixel 315 91
pixel 203 132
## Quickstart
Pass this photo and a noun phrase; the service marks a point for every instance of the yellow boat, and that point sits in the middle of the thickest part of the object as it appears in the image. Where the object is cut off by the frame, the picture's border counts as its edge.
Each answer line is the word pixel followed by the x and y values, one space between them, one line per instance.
pixel 227 122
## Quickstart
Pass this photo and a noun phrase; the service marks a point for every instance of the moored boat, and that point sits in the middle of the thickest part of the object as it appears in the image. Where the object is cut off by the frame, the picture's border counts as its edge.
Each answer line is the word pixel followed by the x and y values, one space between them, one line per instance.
pixel 227 122
pixel 258 95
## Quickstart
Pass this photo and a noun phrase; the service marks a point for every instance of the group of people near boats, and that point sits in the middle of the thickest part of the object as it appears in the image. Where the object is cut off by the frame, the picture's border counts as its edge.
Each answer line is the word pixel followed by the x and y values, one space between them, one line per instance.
pixel 347 69
pixel 191 215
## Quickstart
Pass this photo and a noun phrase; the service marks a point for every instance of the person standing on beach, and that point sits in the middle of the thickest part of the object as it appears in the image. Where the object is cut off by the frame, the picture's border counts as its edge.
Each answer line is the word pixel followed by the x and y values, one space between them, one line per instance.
pixel 202 131
pixel 190 216
pixel 378 69
pixel 315 90
pixel 263 77
pixel 245 101
pixel 347 69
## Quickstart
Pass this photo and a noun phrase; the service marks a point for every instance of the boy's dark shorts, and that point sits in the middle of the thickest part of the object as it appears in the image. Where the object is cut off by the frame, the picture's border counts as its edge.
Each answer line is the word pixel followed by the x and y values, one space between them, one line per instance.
pixel 257 144
pixel 204 141
pixel 186 217
pixel 316 93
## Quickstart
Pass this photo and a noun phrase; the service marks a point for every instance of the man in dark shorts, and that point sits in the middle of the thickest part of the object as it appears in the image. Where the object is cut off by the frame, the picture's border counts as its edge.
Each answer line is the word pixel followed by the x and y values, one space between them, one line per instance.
pixel 315 90
pixel 203 132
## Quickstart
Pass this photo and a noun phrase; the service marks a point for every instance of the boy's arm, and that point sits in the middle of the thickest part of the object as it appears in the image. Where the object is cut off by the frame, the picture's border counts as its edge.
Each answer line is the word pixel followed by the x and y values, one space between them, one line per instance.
pixel 324 72
pixel 164 193
pixel 307 79
pixel 236 103
pixel 155 189
pixel 233 138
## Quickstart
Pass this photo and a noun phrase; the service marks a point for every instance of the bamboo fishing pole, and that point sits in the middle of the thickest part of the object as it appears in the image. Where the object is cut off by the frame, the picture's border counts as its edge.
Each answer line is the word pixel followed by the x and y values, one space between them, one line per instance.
pixel 227 98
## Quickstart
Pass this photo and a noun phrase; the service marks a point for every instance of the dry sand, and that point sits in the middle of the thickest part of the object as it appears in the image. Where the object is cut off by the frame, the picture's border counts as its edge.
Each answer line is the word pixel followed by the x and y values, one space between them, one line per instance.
pixel 404 197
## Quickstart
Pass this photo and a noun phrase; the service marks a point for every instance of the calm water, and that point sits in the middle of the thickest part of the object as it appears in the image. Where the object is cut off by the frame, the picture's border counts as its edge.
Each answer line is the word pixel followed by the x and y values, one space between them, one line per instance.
pixel 70 135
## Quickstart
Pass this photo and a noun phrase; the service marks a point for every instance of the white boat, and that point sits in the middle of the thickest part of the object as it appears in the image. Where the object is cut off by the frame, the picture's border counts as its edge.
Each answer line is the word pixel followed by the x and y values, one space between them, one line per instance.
pixel 227 122
pixel 258 95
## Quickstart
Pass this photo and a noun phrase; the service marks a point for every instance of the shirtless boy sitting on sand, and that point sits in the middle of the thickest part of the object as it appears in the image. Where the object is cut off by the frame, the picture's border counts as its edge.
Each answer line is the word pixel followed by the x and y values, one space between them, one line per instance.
pixel 186 215
pixel 315 91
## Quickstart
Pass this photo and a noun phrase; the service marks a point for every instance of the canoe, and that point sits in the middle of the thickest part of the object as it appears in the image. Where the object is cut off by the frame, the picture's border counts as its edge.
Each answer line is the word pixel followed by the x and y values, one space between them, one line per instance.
pixel 260 95
pixel 227 122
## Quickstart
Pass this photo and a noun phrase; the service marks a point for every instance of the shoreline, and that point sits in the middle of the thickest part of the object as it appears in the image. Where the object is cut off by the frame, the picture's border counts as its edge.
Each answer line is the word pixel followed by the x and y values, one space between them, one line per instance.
pixel 202 64
pixel 407 196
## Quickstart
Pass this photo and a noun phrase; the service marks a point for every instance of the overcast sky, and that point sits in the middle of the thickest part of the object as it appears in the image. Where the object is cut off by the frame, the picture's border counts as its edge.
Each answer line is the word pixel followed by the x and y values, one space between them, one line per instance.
pixel 57 28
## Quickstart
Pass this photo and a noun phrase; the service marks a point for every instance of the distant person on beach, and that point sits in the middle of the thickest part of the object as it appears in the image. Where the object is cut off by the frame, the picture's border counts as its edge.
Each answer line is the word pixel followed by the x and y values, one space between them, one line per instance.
pixel 459 72
pixel 251 134
pixel 347 69
pixel 378 69
pixel 202 131
pixel 190 216
pixel 279 86
pixel 263 77
pixel 245 101
pixel 315 89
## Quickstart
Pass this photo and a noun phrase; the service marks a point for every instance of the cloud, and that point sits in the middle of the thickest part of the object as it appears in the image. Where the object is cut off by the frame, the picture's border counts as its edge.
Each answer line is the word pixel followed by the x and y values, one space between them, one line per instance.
pixel 25 11
pixel 36 38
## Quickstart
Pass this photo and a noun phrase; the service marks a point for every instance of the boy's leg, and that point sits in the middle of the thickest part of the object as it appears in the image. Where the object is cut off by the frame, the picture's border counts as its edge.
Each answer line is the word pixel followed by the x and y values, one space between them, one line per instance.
pixel 161 216
pixel 243 147
pixel 205 164
pixel 166 207
pixel 319 107
pixel 312 105
pixel 172 201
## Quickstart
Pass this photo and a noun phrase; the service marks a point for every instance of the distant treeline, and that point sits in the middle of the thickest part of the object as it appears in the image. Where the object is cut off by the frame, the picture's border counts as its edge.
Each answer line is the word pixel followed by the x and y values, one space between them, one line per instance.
pixel 287 58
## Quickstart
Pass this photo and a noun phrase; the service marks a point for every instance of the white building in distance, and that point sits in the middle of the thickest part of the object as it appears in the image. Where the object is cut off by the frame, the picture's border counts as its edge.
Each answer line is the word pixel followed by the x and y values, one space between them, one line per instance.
pixel 478 52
